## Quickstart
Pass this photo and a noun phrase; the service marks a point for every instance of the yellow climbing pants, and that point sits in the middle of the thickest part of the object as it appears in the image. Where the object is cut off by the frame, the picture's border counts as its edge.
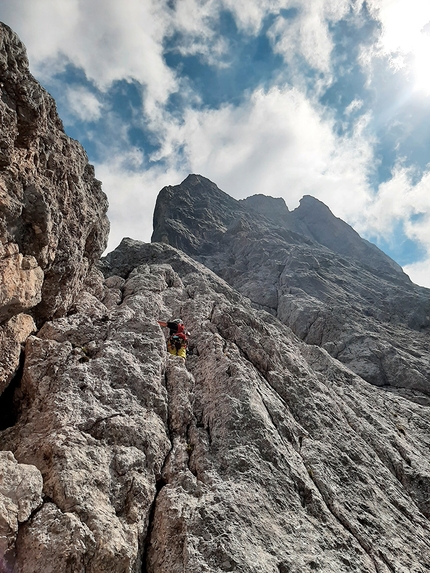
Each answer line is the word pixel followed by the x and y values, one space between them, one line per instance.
pixel 182 351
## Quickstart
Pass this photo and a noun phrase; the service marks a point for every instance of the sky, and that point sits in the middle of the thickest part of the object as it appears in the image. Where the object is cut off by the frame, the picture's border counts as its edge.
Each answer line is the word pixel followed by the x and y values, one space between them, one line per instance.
pixel 329 98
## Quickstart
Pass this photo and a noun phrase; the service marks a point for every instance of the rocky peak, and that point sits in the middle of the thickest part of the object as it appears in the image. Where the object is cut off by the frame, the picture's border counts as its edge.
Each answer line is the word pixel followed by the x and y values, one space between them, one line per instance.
pixel 313 272
pixel 196 199
pixel 274 209
pixel 315 220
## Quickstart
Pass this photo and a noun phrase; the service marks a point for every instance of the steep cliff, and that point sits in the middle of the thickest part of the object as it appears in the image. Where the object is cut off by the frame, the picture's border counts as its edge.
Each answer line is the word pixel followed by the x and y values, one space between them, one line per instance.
pixel 313 272
pixel 53 223
pixel 261 453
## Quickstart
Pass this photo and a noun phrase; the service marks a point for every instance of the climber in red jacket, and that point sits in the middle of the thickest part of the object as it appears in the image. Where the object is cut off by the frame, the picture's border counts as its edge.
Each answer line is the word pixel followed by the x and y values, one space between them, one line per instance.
pixel 177 342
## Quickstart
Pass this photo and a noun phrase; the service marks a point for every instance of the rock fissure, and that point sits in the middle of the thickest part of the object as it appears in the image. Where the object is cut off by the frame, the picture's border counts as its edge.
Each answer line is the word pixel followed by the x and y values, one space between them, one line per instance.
pixel 264 375
pixel 394 468
pixel 89 429
pixel 291 438
pixel 8 404
pixel 346 524
pixel 387 562
pixel 146 568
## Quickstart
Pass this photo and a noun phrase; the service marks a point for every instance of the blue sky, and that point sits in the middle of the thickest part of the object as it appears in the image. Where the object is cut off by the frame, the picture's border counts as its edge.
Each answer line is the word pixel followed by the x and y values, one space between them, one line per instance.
pixel 283 97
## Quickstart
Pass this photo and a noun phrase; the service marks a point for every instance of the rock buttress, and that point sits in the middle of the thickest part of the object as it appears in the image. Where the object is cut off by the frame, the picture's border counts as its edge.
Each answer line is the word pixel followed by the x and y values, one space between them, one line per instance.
pixel 53 223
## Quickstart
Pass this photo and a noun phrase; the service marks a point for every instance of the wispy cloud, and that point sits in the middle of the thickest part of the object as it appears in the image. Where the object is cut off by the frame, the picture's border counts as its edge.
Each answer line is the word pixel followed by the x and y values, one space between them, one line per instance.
pixel 83 103
pixel 277 143
pixel 109 41
pixel 405 199
pixel 305 34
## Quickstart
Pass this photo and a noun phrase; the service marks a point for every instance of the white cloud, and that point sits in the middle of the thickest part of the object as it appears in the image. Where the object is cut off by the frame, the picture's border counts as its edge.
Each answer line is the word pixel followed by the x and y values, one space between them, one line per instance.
pixel 249 16
pixel 83 103
pixel 307 34
pixel 402 199
pixel 402 22
pixel 404 39
pixel 276 143
pixel 355 105
pixel 108 40
pixel 132 194
pixel 198 24
pixel 419 273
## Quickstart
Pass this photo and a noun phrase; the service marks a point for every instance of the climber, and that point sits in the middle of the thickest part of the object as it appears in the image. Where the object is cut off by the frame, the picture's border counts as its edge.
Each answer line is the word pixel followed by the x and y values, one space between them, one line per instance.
pixel 177 342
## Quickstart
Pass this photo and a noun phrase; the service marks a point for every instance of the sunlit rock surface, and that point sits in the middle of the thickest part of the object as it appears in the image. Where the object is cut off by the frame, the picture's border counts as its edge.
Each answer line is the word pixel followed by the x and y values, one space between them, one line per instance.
pixel 260 453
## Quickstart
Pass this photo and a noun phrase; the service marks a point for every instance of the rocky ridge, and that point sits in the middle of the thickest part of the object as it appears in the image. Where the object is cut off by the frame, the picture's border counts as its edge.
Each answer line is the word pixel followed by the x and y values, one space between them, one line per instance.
pixel 313 272
pixel 260 453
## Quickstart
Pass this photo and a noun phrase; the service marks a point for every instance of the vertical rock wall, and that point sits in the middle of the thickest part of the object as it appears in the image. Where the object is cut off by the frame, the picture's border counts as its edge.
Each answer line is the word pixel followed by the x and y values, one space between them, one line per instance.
pixel 53 223
pixel 53 227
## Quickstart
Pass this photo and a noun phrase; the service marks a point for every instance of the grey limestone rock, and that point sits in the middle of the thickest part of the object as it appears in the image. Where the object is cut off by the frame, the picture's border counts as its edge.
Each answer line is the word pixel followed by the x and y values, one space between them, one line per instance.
pixel 259 453
pixel 53 223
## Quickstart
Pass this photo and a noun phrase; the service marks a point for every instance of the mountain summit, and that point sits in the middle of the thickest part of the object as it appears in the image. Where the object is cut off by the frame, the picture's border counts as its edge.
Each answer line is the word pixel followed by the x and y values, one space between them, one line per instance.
pixel 313 272
pixel 261 452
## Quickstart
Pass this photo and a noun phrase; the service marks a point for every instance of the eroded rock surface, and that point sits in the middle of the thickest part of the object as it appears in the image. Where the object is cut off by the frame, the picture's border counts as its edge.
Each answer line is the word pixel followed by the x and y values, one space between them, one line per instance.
pixel 13 335
pixel 20 494
pixel 260 453
pixel 313 272
pixel 53 223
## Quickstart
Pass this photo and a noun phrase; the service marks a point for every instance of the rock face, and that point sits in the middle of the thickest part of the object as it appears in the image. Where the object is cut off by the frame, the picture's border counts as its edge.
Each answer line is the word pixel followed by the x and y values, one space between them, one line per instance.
pixel 20 494
pixel 260 453
pixel 53 223
pixel 313 272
